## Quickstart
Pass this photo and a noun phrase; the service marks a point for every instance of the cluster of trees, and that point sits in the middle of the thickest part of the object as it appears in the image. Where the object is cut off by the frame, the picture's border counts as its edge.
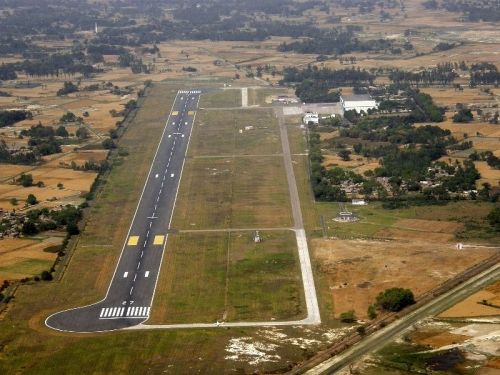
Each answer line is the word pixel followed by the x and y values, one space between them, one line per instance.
pixel 484 74
pixel 323 188
pixel 337 41
pixel 8 118
pixel 42 139
pixel 313 84
pixel 488 156
pixel 443 74
pixel 40 220
pixel 68 88
pixel 27 157
pixel 474 11
pixel 463 115
pixel 395 299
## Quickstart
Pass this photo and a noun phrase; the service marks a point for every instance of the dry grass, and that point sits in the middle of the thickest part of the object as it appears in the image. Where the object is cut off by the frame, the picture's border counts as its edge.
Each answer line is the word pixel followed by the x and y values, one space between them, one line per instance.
pixel 24 257
pixel 358 270
pixel 470 307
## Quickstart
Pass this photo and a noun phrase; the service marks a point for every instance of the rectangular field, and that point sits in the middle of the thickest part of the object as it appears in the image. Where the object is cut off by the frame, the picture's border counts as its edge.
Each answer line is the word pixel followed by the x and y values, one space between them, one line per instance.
pixel 223 99
pixel 235 132
pixel 215 276
pixel 243 192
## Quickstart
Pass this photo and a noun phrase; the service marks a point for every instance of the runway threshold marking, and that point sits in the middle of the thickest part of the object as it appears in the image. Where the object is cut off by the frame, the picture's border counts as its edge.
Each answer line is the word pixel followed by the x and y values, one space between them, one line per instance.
pixel 159 239
pixel 133 240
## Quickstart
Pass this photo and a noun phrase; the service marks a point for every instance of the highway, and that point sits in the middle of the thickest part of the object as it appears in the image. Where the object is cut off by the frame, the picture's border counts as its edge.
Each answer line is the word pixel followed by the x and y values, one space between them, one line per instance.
pixel 131 291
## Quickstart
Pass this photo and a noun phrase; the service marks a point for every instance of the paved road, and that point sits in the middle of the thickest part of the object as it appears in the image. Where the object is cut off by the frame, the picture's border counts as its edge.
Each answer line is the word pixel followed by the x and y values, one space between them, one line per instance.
pixel 130 294
pixel 384 336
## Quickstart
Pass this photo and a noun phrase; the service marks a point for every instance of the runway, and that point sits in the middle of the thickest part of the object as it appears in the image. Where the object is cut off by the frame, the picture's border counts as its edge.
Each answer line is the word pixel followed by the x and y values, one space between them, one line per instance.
pixel 130 293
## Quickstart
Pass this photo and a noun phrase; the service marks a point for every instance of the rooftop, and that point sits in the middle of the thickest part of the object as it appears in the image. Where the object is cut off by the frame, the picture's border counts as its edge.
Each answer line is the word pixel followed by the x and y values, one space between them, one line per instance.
pixel 356 98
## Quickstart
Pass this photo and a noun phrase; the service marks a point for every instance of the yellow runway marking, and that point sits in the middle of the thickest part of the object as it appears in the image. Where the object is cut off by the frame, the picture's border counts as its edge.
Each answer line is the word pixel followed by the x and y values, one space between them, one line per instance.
pixel 191 113
pixel 133 240
pixel 175 113
pixel 159 240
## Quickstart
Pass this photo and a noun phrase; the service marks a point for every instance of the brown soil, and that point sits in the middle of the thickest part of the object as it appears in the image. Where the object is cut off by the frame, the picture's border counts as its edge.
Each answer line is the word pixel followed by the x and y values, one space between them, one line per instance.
pixel 357 270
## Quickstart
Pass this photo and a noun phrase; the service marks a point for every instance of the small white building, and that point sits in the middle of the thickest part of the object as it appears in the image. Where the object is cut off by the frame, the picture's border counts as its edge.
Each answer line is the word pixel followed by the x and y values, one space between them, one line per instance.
pixel 359 202
pixel 311 117
pixel 358 102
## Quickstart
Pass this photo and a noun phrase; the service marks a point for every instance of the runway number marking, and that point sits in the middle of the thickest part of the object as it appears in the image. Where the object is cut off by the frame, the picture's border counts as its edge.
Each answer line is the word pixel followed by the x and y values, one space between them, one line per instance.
pixel 133 240
pixel 159 239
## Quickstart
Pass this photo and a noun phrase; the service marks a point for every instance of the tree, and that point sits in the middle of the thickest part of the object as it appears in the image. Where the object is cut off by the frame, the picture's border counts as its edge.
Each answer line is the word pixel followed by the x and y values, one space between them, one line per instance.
pixel 463 115
pixel 67 88
pixel 348 317
pixel 68 117
pixel 29 228
pixel 31 200
pixel 26 180
pixel 82 133
pixel 345 155
pixel 395 299
pixel 72 229
pixel 372 312
pixel 46 276
pixel 62 132
pixel 108 144
pixel 494 218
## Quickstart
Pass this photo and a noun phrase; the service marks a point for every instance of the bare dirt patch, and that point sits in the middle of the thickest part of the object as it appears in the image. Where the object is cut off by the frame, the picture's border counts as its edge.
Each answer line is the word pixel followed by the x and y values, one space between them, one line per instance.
pixel 357 270
pixel 470 307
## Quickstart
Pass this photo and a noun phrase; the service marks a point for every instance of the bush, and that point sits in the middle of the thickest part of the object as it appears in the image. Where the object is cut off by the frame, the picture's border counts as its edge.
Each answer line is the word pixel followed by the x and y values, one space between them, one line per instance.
pixel 372 312
pixel 46 276
pixel 494 218
pixel 108 144
pixel 31 200
pixel 13 201
pixel 29 228
pixel 348 317
pixel 26 180
pixel 395 299
pixel 72 229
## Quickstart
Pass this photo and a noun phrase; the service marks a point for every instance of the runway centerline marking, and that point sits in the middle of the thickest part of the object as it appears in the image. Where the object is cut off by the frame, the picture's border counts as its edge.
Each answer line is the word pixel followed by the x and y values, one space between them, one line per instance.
pixel 146 274
pixel 125 274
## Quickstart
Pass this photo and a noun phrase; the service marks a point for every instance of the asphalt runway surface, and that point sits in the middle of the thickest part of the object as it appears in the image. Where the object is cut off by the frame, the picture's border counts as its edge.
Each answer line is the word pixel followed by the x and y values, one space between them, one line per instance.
pixel 130 294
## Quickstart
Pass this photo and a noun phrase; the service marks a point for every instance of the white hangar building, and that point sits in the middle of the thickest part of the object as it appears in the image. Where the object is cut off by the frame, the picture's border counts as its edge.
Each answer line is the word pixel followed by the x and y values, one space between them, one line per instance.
pixel 358 103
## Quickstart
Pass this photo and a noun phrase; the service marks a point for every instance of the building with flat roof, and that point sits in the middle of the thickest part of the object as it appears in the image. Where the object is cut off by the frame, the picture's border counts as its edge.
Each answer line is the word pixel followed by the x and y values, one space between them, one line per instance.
pixel 358 102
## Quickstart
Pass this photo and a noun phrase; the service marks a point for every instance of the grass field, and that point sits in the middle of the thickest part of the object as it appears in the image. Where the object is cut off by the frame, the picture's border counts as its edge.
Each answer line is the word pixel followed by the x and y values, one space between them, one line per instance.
pixel 218 133
pixel 228 98
pixel 235 279
pixel 226 276
pixel 264 96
